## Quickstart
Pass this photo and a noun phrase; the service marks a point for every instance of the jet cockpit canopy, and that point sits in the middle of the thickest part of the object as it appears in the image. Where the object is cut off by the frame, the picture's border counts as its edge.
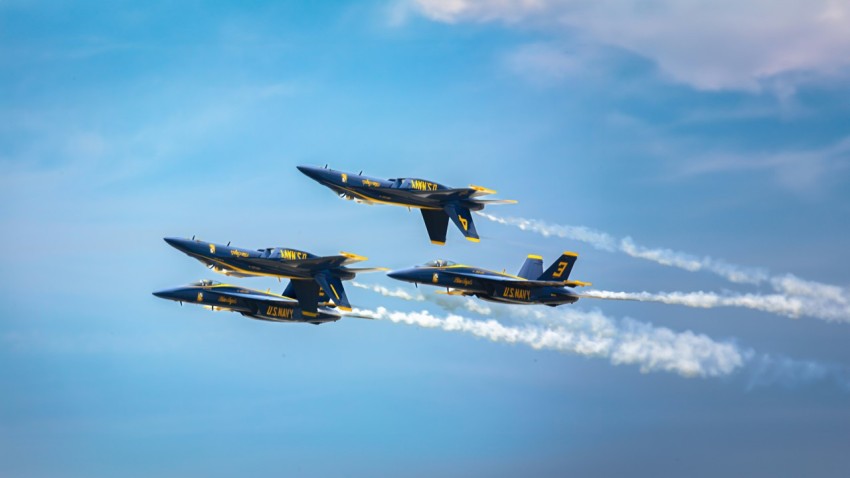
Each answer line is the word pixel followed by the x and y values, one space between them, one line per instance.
pixel 439 263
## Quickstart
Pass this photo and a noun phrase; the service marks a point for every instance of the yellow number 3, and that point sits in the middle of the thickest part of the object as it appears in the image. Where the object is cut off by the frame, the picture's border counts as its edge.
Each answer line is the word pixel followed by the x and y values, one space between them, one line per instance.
pixel 560 271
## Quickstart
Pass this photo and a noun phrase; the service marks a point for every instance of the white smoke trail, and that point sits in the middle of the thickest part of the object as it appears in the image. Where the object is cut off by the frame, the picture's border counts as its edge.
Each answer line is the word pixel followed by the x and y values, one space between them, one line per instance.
pixel 398 292
pixel 774 303
pixel 446 302
pixel 594 335
pixel 810 298
pixel 630 342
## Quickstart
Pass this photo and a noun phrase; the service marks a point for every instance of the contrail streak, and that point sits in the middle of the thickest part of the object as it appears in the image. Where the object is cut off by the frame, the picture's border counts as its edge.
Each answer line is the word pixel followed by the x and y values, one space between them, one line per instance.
pixel 594 335
pixel 398 292
pixel 810 298
pixel 629 342
pixel 448 303
pixel 774 303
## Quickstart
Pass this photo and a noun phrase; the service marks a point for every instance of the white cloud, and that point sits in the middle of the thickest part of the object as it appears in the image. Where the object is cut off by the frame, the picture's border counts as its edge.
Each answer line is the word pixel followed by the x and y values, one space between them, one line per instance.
pixel 799 171
pixel 542 63
pixel 716 45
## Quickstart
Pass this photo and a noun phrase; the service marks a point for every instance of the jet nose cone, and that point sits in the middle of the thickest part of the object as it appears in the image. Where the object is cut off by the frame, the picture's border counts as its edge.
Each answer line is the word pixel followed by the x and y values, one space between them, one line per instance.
pixel 177 243
pixel 162 294
pixel 311 171
pixel 401 274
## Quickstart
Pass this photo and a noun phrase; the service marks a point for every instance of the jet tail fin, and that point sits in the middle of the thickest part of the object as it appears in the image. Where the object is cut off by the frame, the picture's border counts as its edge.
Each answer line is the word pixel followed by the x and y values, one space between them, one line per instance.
pixel 333 288
pixel 437 223
pixel 463 220
pixel 561 268
pixel 532 268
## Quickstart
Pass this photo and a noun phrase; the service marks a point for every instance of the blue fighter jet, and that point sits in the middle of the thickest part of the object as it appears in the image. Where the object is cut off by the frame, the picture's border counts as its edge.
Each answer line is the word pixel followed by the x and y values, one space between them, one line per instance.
pixel 531 285
pixel 436 202
pixel 313 277
pixel 248 302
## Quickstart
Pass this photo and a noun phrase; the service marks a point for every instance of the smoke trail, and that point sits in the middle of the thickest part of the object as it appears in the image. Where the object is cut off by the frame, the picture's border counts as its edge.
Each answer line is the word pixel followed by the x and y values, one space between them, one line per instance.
pixel 446 302
pixel 398 292
pixel 606 242
pixel 630 342
pixel 594 335
pixel 778 370
pixel 774 303
pixel 803 297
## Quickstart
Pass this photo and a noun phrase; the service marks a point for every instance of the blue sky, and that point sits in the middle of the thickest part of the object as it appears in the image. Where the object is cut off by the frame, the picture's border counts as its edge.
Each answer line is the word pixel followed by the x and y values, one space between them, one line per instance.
pixel 719 132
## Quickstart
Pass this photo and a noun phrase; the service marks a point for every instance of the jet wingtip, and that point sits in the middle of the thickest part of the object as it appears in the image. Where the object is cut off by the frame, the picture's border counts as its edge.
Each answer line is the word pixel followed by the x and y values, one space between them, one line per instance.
pixel 352 256
pixel 482 191
pixel 473 239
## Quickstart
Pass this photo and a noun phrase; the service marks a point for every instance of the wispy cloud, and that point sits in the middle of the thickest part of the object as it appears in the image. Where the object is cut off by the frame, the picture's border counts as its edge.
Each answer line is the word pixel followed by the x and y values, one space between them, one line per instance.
pixel 801 171
pixel 542 63
pixel 708 45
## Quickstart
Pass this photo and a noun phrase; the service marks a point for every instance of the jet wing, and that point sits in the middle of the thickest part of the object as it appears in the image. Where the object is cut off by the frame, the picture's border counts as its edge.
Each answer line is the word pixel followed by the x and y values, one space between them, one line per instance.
pixel 550 283
pixel 455 193
pixel 455 292
pixel 307 293
pixel 443 194
pixel 437 223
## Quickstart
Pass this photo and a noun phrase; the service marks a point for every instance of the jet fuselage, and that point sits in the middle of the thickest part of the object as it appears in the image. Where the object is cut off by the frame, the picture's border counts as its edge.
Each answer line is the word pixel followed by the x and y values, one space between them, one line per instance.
pixel 248 302
pixel 486 284
pixel 238 262
pixel 404 192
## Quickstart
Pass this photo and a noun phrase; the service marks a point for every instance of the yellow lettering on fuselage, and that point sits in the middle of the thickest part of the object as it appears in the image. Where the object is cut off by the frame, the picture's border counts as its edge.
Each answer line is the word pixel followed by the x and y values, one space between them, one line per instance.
pixel 234 252
pixel 227 300
pixel 292 255
pixel 516 293
pixel 423 185
pixel 371 184
pixel 462 281
pixel 282 312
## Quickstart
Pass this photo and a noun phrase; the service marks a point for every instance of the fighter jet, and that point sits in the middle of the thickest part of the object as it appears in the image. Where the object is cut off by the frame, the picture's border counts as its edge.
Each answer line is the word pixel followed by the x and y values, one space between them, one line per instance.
pixel 436 202
pixel 248 302
pixel 531 285
pixel 312 276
